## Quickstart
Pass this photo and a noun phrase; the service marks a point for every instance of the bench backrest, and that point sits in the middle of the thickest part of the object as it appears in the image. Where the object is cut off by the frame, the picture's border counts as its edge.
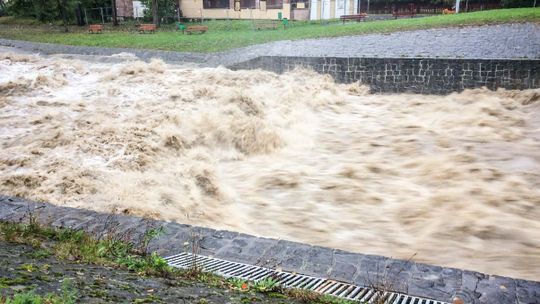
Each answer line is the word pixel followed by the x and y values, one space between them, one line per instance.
pixel 148 27
pixel 96 26
pixel 359 16
pixel 197 28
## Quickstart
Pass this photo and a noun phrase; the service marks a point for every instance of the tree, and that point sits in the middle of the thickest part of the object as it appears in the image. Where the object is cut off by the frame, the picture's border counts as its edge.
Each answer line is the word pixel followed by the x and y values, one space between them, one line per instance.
pixel 114 13
pixel 159 10
pixel 43 10
pixel 62 5
pixel 2 7
pixel 155 16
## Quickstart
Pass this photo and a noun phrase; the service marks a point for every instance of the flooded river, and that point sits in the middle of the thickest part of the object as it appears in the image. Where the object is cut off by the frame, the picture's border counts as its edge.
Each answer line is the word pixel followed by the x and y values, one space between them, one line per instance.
pixel 454 179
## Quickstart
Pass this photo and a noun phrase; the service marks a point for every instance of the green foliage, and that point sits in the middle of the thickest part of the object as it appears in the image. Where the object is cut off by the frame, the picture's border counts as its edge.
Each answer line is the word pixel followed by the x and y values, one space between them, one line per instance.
pixel 25 298
pixel 68 295
pixel 166 10
pixel 82 247
pixel 151 263
pixel 2 8
pixel 517 3
pixel 307 296
pixel 78 245
pixel 148 236
pixel 238 284
pixel 266 285
pixel 42 10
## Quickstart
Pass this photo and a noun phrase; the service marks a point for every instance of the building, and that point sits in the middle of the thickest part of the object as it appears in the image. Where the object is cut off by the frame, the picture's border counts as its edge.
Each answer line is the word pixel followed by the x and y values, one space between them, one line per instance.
pixel 268 9
pixel 138 9
pixel 124 8
pixel 330 9
pixel 245 9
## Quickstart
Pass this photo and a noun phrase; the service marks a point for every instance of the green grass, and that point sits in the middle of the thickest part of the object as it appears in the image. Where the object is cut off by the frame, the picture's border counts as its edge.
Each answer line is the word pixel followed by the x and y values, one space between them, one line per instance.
pixel 224 35
pixel 67 295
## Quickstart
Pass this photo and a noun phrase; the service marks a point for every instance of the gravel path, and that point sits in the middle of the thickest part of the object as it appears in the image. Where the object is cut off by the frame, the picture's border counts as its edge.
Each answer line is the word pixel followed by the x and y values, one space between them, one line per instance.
pixel 488 42
pixel 521 40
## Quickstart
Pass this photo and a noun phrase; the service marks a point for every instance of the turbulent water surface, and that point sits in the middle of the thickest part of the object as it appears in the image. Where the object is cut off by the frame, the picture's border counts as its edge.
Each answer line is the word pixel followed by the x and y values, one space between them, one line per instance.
pixel 454 179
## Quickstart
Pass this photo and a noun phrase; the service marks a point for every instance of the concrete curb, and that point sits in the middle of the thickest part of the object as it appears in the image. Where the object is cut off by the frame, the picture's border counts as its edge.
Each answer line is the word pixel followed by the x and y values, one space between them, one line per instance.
pixel 422 280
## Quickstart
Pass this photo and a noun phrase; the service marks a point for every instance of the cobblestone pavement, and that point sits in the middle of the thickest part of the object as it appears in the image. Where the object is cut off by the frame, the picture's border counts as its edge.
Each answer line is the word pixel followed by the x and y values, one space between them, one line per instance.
pixel 521 40
pixel 23 267
pixel 487 42
pixel 439 283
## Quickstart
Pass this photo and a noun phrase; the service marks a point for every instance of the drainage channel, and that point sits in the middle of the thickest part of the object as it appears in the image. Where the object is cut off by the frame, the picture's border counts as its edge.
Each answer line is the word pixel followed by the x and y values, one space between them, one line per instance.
pixel 338 289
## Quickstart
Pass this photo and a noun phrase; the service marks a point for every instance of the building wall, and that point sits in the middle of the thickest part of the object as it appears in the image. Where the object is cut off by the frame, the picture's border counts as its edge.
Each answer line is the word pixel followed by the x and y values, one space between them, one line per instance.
pixel 336 9
pixel 138 9
pixel 124 8
pixel 300 14
pixel 194 9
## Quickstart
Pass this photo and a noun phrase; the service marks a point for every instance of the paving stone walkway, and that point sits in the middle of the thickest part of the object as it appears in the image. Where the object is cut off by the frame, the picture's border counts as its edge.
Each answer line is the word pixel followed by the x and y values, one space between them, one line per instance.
pixel 439 283
pixel 521 40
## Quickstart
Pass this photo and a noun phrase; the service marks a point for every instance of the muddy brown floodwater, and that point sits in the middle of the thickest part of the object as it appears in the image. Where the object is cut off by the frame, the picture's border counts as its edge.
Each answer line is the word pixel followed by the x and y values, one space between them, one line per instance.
pixel 454 179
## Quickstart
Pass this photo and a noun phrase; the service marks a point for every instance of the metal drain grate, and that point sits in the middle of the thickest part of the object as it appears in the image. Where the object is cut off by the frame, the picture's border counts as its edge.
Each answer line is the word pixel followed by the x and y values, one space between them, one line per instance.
pixel 292 280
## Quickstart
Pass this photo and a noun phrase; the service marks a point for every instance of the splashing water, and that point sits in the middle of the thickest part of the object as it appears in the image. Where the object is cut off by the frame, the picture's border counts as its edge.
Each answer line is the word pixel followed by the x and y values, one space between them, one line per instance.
pixel 455 179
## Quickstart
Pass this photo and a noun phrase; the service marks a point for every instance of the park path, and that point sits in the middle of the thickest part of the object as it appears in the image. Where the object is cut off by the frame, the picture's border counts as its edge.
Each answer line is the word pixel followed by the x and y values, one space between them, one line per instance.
pixel 520 40
pixel 504 41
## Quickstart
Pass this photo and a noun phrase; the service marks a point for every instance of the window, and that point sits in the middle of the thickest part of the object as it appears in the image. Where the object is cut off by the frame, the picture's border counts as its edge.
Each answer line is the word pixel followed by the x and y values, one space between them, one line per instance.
pixel 248 4
pixel 274 4
pixel 216 4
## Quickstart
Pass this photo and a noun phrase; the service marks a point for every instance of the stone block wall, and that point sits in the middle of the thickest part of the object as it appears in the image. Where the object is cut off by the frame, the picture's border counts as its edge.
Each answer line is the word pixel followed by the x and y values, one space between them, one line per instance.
pixel 417 75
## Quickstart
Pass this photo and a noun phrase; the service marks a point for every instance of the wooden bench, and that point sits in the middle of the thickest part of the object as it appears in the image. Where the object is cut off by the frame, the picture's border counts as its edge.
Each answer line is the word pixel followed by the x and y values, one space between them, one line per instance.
pixel 95 28
pixel 144 28
pixel 196 29
pixel 357 17
pixel 265 24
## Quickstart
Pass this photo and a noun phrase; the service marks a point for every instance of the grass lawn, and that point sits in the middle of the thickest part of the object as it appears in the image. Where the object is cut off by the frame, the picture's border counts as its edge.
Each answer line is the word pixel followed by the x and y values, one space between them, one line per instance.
pixel 224 35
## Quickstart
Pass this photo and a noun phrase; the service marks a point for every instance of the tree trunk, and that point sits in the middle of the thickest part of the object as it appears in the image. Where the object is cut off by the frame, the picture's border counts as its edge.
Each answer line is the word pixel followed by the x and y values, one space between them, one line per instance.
pixel 62 4
pixel 114 13
pixel 155 16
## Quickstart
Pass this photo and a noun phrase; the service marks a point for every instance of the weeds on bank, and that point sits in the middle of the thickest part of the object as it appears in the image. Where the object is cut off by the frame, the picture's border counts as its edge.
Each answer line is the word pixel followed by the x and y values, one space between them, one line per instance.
pixel 79 246
pixel 112 248
pixel 273 289
pixel 67 295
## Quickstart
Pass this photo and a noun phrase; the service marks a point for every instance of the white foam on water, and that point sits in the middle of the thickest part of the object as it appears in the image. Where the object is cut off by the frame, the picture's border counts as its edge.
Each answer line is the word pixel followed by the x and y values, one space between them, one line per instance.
pixel 454 179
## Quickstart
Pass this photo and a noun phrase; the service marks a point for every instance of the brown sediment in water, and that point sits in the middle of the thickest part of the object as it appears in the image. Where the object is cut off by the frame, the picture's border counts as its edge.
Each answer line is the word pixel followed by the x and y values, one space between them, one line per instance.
pixel 454 179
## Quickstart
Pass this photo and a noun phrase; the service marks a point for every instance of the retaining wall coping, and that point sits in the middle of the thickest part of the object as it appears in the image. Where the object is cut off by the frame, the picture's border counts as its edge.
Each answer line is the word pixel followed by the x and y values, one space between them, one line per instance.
pixel 417 279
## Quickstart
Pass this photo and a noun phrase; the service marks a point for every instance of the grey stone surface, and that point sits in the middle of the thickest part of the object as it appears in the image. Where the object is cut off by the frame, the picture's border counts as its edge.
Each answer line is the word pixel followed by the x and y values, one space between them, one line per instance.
pixel 417 75
pixel 490 41
pixel 435 282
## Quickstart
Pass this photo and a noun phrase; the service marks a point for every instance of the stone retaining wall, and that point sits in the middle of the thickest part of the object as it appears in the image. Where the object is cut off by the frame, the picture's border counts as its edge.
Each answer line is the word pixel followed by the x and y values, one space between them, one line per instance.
pixel 417 75
pixel 435 282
